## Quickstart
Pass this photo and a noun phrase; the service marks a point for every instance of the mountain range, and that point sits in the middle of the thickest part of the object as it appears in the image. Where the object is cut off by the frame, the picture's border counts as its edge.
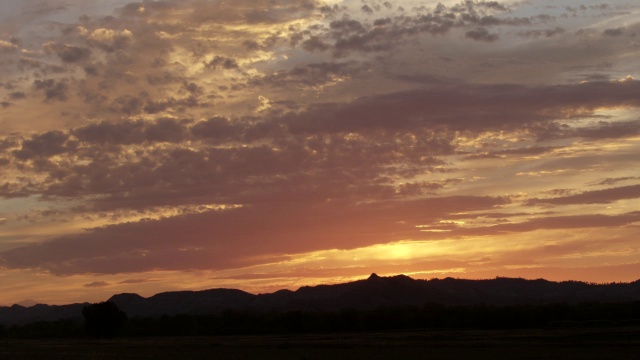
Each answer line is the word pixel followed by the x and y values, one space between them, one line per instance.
pixel 365 294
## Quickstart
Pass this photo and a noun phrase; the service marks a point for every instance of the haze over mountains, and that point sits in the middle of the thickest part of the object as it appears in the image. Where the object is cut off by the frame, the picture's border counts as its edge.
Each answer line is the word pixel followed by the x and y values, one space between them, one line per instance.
pixel 366 294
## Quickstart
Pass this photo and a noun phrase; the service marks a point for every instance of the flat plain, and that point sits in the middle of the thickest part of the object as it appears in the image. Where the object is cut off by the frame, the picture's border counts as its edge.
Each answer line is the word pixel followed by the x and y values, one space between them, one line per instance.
pixel 572 343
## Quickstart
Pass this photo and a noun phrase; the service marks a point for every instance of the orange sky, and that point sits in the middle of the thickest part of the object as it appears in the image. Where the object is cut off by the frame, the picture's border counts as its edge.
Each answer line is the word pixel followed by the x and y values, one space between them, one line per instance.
pixel 172 145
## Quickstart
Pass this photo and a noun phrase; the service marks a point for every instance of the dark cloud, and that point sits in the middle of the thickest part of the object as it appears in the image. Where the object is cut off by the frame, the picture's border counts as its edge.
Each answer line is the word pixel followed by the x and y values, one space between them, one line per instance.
pixel 558 222
pixel 366 9
pixel 606 130
pixel 526 151
pixel 146 9
pixel 193 88
pixel 481 34
pixel 312 74
pixel 216 238
pixel 10 142
pixel 473 108
pixel 154 107
pixel 248 11
pixel 91 70
pixel 426 79
pixel 560 192
pixel 542 33
pixel 309 153
pixel 374 40
pixel 493 5
pixel 97 284
pixel 605 196
pixel 132 132
pixel 45 145
pixel 613 181
pixel 165 78
pixel 72 54
pixel 535 222
pixel 127 104
pixel 346 35
pixel 16 95
pixel 136 281
pixel 347 27
pixel 613 32
pixel 595 77
pixel 315 43
pixel 53 90
pixel 223 62
pixel 424 187
pixel 312 167
pixel 602 130
pixel 382 22
pixel 217 128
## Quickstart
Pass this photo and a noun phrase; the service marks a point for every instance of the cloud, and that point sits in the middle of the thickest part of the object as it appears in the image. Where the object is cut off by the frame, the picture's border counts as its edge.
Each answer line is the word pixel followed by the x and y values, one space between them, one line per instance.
pixel 97 161
pixel 315 43
pixel 97 284
pixel 6 46
pixel 525 151
pixel 328 164
pixel 127 104
pixel 226 239
pixel 613 181
pixel 470 107
pixel 223 62
pixel 68 53
pixel 131 132
pixel 219 128
pixel 136 281
pixel 606 130
pixel 384 34
pixel 548 33
pixel 53 90
pixel 613 31
pixel 45 145
pixel 604 196
pixel 16 95
pixel 366 9
pixel 313 75
pixel 481 34
pixel 249 11
pixel 551 223
pixel 110 40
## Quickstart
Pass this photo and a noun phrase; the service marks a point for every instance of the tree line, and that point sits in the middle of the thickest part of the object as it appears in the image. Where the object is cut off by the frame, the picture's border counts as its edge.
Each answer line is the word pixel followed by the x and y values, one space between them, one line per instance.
pixel 106 320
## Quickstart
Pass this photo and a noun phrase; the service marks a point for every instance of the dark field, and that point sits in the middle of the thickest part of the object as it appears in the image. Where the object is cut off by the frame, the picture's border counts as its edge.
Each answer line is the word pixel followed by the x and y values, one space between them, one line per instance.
pixel 582 343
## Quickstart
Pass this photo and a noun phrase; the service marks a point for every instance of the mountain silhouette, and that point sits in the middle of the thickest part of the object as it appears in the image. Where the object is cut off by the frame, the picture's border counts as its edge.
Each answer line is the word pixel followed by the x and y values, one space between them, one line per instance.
pixel 366 294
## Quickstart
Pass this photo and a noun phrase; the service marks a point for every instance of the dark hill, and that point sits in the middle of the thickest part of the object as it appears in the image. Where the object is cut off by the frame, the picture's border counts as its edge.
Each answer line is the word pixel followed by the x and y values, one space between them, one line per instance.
pixel 17 314
pixel 183 302
pixel 365 294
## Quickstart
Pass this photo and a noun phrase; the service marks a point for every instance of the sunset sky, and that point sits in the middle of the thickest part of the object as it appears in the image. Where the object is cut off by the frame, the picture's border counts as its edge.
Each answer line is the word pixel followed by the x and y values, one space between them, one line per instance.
pixel 264 144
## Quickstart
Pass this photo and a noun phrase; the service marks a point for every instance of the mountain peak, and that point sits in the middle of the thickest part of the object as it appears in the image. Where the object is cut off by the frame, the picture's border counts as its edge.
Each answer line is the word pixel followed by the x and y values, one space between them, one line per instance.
pixel 373 276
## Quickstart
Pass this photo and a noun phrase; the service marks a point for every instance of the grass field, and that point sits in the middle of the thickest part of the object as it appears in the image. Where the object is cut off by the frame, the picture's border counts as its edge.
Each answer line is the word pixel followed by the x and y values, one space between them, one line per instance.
pixel 595 343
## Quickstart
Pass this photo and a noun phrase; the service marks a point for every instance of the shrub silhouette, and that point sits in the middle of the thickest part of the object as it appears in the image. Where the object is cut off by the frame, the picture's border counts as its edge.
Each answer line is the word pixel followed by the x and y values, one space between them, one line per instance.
pixel 103 320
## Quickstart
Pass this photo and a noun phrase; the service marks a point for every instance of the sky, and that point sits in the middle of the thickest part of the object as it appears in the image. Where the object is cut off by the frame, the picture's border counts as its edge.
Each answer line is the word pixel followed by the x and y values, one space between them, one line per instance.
pixel 265 144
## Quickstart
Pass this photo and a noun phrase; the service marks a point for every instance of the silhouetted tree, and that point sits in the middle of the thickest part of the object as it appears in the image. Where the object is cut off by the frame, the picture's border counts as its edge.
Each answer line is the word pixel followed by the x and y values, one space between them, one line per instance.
pixel 103 320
